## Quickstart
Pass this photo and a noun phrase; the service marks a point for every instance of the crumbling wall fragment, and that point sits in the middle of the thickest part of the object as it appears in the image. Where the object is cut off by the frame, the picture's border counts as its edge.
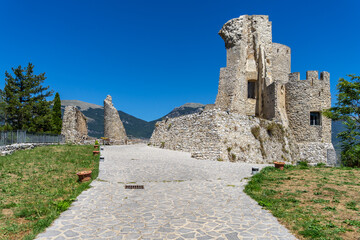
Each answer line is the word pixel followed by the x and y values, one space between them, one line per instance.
pixel 74 125
pixel 113 126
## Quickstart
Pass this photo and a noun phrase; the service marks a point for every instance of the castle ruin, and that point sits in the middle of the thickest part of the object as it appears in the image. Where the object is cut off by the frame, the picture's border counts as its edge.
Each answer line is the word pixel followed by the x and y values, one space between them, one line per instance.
pixel 263 112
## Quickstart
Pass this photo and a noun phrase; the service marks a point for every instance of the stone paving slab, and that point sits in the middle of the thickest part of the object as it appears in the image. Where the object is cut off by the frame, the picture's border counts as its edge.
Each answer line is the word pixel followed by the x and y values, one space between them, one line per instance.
pixel 183 198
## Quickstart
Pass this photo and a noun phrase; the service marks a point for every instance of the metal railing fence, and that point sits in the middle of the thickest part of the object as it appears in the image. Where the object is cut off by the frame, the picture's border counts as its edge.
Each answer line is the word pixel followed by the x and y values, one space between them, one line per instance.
pixel 19 136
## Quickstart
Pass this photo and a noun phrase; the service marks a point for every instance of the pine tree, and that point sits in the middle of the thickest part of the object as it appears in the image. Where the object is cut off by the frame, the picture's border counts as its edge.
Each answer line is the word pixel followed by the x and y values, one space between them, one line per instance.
pixel 25 98
pixel 2 107
pixel 56 115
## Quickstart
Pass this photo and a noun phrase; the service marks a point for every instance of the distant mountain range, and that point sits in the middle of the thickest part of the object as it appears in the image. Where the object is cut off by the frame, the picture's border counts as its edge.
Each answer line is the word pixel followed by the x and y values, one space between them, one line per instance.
pixel 135 127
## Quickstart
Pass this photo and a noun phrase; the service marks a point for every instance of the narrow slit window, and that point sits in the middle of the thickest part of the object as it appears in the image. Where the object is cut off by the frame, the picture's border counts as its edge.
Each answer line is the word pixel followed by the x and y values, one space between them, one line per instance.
pixel 315 118
pixel 251 89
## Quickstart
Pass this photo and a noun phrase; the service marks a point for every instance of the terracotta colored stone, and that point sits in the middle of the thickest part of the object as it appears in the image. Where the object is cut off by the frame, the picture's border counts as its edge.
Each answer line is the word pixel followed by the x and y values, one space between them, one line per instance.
pixel 84 176
pixel 279 165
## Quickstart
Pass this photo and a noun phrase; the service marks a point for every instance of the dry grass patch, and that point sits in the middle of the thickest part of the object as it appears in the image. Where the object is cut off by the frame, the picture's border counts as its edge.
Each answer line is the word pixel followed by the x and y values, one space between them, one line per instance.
pixel 37 185
pixel 313 202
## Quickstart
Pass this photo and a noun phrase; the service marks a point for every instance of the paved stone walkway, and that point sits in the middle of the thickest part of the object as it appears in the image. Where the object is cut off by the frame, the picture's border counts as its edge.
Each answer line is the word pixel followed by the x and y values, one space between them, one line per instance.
pixel 184 198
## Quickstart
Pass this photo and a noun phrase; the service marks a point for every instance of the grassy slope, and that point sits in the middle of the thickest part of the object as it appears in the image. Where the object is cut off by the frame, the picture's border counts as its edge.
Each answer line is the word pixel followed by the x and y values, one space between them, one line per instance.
pixel 312 202
pixel 37 185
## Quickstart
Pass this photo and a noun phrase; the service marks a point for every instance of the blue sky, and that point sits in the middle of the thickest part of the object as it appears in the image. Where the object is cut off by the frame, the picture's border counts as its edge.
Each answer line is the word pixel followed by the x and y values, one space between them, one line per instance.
pixel 152 56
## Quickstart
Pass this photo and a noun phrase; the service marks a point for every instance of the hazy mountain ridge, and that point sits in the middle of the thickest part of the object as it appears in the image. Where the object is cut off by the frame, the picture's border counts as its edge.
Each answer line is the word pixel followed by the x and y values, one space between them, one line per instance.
pixel 80 104
pixel 187 108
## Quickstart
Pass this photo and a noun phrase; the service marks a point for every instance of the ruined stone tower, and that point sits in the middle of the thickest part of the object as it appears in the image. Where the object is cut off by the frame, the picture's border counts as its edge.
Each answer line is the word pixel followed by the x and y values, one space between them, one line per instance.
pixel 253 63
pixel 262 112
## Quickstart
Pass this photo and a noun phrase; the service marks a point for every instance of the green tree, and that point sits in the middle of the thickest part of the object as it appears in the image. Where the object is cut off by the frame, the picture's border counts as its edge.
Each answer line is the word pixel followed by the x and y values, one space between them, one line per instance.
pixel 347 110
pixel 5 126
pixel 56 115
pixel 25 98
pixel 2 107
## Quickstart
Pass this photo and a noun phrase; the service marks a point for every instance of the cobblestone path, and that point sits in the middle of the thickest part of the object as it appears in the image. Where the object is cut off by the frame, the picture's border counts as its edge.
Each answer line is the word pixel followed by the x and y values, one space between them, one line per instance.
pixel 183 198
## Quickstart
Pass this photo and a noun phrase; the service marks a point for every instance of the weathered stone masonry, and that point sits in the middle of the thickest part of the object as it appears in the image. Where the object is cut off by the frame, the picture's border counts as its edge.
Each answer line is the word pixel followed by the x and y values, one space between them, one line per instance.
pixel 262 113
pixel 113 126
pixel 74 125
pixel 223 136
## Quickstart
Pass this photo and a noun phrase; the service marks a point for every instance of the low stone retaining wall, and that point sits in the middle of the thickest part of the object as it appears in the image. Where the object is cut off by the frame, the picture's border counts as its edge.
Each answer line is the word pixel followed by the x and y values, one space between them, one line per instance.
pixel 9 149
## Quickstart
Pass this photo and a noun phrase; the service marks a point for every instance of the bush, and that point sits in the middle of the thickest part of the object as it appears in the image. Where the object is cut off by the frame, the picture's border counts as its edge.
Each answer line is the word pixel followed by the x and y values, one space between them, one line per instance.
pixel 256 132
pixel 233 157
pixel 275 130
pixel 303 165
pixel 350 155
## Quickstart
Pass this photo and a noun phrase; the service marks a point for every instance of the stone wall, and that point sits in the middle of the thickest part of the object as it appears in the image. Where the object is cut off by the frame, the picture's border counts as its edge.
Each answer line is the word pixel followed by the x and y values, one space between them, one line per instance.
pixel 9 149
pixel 317 152
pixel 222 136
pixel 218 135
pixel 303 97
pixel 274 107
pixel 74 125
pixel 280 62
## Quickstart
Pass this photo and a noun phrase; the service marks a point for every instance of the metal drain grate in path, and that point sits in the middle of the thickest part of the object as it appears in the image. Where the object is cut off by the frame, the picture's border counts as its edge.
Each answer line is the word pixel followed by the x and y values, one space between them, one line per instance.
pixel 134 186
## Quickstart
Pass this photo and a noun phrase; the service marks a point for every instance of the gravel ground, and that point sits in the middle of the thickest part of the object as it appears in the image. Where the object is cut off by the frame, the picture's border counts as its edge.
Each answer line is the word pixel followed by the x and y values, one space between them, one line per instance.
pixel 183 198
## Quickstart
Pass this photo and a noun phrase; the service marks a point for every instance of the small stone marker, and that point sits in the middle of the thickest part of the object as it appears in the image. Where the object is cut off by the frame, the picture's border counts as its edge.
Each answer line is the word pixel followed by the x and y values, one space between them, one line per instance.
pixel 254 170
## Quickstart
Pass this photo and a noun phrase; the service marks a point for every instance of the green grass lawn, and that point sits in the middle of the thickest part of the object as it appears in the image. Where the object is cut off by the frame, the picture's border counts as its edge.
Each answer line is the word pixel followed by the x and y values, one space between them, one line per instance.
pixel 312 202
pixel 37 185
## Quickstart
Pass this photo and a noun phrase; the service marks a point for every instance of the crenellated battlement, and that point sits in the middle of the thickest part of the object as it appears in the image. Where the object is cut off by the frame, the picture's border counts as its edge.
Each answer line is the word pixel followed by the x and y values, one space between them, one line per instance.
pixel 310 75
pixel 305 99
